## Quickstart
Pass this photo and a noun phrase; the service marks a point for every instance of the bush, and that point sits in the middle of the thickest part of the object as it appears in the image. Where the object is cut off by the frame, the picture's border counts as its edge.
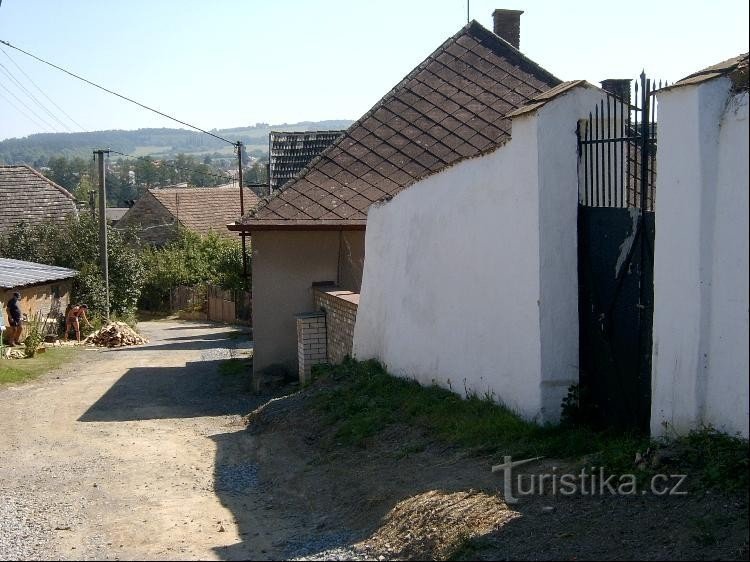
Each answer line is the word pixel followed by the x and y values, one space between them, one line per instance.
pixel 190 260
pixel 74 243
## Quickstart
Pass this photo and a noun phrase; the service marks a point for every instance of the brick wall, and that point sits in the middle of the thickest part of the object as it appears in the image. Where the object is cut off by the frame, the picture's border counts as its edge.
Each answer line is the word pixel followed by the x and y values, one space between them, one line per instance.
pixel 340 309
pixel 311 342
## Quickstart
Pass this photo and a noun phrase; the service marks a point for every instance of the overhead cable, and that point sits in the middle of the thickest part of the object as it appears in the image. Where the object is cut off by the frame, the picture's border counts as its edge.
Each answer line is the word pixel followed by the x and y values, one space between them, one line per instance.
pixel 31 96
pixel 48 126
pixel 41 91
pixel 22 112
pixel 81 78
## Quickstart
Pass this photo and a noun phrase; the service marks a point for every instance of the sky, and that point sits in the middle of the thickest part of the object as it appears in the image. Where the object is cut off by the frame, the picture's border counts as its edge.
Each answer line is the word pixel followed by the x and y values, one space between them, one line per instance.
pixel 223 63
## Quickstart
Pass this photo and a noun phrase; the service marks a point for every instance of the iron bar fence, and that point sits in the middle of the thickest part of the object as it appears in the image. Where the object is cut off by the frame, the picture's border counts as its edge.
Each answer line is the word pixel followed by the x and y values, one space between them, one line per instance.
pixel 617 150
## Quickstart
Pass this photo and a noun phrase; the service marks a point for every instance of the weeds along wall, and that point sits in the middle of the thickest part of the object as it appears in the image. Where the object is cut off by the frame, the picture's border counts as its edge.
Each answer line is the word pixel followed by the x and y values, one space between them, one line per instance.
pixel 470 277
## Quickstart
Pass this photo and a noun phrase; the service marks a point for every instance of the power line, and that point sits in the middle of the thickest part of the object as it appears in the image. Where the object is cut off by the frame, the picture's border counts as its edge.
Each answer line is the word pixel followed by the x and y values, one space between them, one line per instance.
pixel 74 75
pixel 33 112
pixel 22 112
pixel 76 123
pixel 23 88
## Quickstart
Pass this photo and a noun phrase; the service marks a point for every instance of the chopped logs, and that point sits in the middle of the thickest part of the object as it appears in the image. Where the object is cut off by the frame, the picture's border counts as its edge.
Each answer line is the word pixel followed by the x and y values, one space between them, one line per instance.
pixel 115 334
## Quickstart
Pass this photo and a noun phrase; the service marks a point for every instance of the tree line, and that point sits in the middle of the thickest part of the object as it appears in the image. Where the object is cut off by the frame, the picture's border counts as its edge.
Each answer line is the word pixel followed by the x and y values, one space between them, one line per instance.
pixel 140 276
pixel 127 179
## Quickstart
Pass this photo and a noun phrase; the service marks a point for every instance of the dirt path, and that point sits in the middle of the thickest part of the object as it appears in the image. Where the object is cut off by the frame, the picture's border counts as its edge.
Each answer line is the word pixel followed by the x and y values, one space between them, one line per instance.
pixel 116 457
pixel 144 454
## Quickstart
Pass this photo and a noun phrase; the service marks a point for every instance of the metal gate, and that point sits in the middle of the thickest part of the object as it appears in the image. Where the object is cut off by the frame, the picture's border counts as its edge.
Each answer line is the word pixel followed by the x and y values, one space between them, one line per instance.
pixel 617 172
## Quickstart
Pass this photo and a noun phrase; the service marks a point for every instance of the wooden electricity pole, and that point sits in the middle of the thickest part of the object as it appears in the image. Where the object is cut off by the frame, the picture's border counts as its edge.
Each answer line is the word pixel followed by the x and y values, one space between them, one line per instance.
pixel 103 225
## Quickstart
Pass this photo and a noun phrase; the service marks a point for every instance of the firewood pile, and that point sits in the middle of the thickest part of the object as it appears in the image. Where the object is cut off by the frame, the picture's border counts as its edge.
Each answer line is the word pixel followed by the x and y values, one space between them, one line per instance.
pixel 14 353
pixel 115 334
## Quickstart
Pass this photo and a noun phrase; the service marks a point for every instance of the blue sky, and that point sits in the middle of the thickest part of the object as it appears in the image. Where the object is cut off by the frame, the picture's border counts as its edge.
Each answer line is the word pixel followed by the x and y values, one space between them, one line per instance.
pixel 223 63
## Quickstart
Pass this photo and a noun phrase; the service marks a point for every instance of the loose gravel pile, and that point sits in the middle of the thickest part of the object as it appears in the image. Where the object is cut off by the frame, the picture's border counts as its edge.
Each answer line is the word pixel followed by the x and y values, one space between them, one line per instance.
pixel 115 334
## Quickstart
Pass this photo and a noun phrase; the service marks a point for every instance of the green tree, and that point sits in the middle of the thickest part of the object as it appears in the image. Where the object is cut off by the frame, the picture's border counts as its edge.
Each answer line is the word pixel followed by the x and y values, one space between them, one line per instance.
pixel 191 259
pixel 74 243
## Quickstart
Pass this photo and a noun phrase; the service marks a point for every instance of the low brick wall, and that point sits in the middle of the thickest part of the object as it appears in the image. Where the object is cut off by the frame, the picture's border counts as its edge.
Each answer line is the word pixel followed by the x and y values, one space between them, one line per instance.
pixel 311 342
pixel 341 313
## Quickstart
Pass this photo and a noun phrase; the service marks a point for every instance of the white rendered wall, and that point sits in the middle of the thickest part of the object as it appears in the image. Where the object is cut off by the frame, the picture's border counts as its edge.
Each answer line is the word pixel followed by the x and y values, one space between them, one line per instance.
pixel 700 357
pixel 470 277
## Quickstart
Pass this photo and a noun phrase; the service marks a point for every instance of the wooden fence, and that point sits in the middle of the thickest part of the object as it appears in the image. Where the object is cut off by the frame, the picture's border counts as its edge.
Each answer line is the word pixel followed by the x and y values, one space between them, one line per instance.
pixel 212 303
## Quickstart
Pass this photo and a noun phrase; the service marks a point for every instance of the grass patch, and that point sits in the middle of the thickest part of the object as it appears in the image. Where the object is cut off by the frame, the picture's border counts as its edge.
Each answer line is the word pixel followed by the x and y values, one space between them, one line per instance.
pixel 362 399
pixel 23 370
pixel 235 367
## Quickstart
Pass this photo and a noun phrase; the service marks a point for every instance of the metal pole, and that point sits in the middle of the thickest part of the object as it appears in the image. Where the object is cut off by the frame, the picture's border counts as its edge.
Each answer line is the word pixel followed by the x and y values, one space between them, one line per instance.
pixel 242 209
pixel 103 227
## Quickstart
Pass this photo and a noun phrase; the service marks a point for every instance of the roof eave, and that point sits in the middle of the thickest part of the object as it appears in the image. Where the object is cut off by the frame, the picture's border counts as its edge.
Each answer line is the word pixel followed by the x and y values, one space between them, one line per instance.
pixel 296 226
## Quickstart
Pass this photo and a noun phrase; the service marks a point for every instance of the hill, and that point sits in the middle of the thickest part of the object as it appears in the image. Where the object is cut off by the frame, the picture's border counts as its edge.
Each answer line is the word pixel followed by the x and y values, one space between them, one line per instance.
pixel 37 149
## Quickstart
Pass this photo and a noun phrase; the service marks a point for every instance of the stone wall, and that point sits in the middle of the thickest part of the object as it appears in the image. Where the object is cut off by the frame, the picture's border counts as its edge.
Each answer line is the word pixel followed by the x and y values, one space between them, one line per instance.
pixel 340 309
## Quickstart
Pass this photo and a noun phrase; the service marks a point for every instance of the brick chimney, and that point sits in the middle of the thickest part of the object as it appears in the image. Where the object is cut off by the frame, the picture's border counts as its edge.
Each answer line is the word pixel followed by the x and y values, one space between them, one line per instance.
pixel 507 24
pixel 619 87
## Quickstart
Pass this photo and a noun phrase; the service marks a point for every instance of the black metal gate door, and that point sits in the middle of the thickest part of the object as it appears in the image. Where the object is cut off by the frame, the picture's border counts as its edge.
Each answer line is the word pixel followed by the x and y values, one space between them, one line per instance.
pixel 617 146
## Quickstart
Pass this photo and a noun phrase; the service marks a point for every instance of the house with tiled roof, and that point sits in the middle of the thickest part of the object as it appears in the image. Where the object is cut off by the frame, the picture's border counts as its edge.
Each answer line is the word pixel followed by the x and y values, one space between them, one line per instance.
pixel 453 106
pixel 290 152
pixel 28 196
pixel 160 212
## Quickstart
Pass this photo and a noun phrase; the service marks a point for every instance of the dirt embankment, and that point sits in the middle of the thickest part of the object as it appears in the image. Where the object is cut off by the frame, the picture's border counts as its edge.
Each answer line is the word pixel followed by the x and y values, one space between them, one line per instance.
pixel 407 496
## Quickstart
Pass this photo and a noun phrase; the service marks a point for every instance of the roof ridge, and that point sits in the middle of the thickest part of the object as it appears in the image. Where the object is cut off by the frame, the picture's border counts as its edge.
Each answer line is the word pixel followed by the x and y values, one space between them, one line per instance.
pixel 60 188
pixel 492 41
pixel 265 199
pixel 308 132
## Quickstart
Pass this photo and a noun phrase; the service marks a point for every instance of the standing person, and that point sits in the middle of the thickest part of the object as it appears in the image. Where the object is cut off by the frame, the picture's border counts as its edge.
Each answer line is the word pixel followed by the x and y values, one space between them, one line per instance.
pixel 73 320
pixel 15 319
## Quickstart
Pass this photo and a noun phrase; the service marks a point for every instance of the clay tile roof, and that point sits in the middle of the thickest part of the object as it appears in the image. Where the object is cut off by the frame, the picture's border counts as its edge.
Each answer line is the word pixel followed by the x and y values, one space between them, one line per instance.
pixel 289 153
pixel 736 68
pixel 451 107
pixel 26 195
pixel 204 209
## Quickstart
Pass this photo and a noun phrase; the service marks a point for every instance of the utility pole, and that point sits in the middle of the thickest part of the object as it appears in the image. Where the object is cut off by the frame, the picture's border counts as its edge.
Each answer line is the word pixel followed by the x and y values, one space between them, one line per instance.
pixel 103 225
pixel 242 209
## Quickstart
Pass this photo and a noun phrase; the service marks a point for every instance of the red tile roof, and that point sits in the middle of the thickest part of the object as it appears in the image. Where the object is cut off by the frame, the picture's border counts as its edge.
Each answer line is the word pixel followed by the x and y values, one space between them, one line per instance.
pixel 204 209
pixel 453 106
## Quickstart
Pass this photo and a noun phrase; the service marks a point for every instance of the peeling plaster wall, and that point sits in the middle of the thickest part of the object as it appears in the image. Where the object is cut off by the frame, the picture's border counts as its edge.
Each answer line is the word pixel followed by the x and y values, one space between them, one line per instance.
pixel 700 357
pixel 470 277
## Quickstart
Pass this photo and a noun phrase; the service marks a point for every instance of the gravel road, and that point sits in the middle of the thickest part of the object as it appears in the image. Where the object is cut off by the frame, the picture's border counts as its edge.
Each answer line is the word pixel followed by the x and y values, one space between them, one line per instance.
pixel 130 455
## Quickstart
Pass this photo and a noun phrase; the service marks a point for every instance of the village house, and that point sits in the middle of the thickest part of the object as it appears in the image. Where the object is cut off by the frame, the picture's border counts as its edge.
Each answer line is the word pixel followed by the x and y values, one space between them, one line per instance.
pixel 45 289
pixel 451 107
pixel 28 196
pixel 159 213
